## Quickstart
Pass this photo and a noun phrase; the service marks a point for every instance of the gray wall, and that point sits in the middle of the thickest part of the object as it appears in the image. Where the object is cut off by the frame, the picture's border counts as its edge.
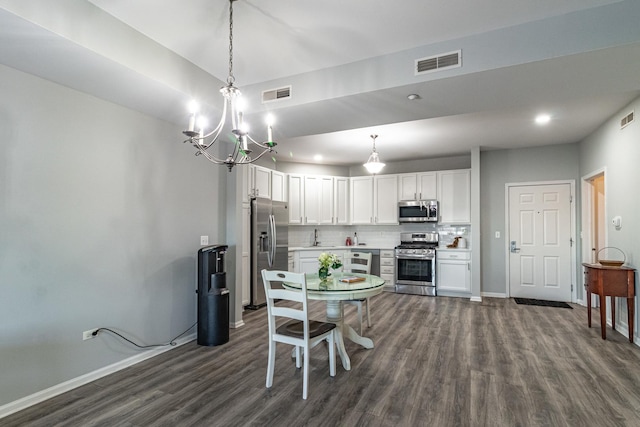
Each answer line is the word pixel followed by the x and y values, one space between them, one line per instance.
pixel 497 168
pixel 101 209
pixel 618 150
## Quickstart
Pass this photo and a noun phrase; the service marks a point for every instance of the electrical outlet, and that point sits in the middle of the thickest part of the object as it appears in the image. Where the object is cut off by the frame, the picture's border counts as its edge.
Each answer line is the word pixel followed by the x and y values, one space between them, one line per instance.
pixel 204 240
pixel 87 335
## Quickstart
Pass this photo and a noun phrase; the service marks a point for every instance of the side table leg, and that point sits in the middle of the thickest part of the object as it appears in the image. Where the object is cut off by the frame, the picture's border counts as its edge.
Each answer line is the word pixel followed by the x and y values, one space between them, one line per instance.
pixel 589 308
pixel 603 316
pixel 630 316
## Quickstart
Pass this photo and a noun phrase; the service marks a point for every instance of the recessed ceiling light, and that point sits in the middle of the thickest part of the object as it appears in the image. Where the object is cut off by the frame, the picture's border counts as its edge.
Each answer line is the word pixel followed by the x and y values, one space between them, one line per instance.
pixel 413 96
pixel 317 157
pixel 543 119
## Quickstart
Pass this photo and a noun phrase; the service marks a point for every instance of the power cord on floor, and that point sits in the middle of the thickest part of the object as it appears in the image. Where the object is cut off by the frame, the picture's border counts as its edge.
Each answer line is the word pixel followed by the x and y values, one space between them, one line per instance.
pixel 172 342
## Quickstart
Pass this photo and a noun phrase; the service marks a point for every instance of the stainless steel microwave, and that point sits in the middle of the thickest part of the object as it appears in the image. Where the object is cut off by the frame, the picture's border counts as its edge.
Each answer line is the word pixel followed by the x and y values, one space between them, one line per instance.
pixel 418 211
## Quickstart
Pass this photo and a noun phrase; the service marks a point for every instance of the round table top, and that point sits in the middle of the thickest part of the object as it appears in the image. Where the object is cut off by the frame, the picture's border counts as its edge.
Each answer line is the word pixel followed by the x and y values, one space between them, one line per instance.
pixel 335 289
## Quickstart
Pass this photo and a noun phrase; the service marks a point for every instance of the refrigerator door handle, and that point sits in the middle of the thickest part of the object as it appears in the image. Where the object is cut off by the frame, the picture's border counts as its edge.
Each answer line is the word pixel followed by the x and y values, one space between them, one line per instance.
pixel 270 241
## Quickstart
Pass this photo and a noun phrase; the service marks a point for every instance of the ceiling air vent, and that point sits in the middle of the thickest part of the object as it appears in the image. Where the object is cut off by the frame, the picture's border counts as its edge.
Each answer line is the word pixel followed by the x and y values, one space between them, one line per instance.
pixel 626 120
pixel 276 94
pixel 439 62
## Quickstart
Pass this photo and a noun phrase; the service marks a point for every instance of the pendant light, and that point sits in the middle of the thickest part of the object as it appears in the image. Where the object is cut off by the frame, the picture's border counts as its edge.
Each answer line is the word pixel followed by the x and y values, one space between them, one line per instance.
pixel 374 165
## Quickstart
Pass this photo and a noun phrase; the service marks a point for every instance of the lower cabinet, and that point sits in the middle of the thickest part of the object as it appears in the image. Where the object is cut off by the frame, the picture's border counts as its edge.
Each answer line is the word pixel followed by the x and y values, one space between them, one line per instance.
pixel 388 269
pixel 453 271
pixel 307 261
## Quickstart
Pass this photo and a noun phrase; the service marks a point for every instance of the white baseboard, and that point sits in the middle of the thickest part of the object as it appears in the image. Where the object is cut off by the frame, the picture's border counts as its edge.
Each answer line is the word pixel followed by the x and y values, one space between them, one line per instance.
pixel 41 396
pixel 476 299
pixel 236 325
pixel 494 295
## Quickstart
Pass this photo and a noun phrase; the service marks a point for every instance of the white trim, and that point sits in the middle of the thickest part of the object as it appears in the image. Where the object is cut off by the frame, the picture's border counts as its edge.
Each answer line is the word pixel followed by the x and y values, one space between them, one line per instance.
pixel 42 395
pixel 572 256
pixel 236 325
pixel 494 295
pixel 476 299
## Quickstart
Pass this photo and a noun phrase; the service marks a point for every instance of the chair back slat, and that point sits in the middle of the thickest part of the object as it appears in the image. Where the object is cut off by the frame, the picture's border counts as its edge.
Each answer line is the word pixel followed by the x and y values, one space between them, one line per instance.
pixel 357 262
pixel 298 296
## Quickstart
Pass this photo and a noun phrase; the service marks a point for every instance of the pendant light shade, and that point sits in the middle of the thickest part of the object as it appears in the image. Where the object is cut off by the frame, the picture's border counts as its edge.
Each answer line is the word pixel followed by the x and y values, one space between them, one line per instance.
pixel 374 165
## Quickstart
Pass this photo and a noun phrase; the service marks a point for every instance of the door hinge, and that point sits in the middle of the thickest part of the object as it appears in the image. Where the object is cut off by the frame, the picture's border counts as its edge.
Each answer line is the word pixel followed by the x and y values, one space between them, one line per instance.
pixel 571 241
pixel 571 199
pixel 572 287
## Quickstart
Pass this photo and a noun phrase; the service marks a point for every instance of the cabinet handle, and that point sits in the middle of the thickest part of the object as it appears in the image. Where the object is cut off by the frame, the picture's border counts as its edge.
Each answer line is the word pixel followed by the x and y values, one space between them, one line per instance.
pixel 420 196
pixel 257 191
pixel 469 266
pixel 415 195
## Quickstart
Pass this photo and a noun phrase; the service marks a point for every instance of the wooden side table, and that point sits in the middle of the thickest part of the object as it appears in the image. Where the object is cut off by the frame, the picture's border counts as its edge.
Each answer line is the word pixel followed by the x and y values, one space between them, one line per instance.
pixel 614 282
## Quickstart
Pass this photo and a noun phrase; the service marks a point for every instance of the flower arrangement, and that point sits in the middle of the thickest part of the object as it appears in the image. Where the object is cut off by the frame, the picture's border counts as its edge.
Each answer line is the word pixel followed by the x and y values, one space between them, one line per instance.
pixel 327 261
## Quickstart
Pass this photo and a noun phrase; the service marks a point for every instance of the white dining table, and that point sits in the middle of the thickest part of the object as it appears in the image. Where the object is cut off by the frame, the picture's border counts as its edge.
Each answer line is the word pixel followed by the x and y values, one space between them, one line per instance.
pixel 334 291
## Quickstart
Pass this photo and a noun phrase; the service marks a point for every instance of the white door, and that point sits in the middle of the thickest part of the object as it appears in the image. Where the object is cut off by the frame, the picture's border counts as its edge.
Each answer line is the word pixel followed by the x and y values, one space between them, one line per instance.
pixel 540 241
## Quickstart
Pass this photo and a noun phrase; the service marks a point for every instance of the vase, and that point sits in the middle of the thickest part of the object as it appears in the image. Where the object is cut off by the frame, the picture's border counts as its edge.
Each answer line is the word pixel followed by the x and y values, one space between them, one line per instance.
pixel 323 273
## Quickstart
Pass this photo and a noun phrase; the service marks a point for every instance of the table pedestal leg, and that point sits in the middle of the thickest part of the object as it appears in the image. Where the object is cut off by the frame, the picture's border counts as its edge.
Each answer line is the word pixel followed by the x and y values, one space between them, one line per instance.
pixel 335 315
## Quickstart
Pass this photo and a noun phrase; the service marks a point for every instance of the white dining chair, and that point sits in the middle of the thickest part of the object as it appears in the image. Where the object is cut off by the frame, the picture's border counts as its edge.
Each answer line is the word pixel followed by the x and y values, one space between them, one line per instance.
pixel 359 262
pixel 299 331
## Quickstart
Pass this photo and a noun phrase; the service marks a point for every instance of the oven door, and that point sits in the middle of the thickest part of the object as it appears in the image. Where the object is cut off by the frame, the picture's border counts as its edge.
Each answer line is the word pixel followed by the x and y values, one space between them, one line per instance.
pixel 415 270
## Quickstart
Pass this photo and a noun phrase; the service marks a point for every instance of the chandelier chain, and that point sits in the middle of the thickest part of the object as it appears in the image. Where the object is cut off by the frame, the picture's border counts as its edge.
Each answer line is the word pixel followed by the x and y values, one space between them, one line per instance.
pixel 231 79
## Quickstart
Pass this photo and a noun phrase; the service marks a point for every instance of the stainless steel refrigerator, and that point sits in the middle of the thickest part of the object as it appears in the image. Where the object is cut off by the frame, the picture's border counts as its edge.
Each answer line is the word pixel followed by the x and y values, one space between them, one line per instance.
pixel 269 243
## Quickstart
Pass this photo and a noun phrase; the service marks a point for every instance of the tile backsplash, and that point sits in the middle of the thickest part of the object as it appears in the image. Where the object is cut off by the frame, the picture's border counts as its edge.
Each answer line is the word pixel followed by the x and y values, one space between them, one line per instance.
pixel 385 237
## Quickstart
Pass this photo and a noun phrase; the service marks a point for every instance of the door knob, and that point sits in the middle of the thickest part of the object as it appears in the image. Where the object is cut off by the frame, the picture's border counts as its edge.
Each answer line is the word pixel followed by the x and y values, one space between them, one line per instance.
pixel 513 247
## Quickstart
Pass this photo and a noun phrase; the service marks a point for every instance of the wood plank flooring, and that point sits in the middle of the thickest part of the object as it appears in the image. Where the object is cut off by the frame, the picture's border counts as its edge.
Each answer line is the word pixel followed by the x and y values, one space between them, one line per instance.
pixel 437 362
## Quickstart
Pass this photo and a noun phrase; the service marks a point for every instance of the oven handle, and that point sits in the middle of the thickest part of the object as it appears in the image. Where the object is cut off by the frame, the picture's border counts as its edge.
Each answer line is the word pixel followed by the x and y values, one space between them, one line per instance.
pixel 427 257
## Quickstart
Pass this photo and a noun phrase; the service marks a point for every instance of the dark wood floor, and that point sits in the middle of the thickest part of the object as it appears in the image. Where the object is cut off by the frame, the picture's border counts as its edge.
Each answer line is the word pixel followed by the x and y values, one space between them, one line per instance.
pixel 437 361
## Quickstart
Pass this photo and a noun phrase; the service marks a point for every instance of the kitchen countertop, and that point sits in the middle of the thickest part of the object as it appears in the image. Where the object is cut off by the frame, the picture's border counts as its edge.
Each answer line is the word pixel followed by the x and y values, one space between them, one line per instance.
pixel 342 247
pixel 444 248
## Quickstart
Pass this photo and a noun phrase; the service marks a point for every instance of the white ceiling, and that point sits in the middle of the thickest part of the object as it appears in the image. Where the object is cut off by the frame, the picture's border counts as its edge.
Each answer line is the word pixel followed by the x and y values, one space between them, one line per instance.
pixel 581 79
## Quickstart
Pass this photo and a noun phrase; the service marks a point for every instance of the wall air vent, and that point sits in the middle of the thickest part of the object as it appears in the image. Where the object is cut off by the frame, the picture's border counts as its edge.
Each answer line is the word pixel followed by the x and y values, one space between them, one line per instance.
pixel 626 120
pixel 276 94
pixel 439 62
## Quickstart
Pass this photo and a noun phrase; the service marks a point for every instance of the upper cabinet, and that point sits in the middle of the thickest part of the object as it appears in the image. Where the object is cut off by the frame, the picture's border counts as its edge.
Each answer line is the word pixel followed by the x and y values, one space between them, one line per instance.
pixel 261 182
pixel 454 196
pixel 296 198
pixel 318 200
pixel 374 200
pixel 341 200
pixel 417 186
pixel 278 186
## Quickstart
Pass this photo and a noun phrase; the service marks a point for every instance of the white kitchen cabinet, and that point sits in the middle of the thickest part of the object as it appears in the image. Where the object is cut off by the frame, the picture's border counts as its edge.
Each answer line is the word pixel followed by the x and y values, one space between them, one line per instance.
pixel 374 200
pixel 318 200
pixel 307 261
pixel 261 181
pixel 453 271
pixel 246 254
pixel 385 199
pixel 341 200
pixel 361 205
pixel 388 269
pixel 454 196
pixel 296 198
pixel 278 186
pixel 417 186
pixel 291 262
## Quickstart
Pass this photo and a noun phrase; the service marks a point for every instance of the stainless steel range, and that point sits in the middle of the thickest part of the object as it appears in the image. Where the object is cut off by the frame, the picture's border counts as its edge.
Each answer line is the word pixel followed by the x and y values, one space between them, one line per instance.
pixel 416 263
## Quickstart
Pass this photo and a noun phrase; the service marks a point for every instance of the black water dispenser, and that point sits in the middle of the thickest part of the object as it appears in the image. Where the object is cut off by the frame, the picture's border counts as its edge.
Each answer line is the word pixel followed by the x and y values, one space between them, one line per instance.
pixel 213 296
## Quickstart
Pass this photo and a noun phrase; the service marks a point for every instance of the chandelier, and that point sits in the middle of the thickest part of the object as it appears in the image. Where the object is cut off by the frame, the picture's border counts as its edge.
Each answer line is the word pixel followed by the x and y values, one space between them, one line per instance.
pixel 240 138
pixel 373 164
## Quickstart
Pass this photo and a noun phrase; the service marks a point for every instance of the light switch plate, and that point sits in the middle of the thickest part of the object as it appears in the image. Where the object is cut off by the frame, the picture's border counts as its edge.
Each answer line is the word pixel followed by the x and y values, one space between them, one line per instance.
pixel 204 240
pixel 497 234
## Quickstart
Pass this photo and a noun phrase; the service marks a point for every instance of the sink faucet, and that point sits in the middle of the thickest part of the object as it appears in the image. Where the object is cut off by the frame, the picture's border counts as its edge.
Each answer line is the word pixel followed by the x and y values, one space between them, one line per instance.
pixel 315 237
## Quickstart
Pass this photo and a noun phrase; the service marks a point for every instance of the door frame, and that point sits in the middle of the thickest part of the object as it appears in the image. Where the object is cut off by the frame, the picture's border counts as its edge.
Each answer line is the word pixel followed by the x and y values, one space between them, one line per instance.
pixel 587 226
pixel 572 219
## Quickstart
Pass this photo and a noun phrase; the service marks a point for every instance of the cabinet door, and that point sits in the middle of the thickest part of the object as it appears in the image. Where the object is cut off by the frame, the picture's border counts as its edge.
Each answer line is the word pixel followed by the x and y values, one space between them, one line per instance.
pixel 453 276
pixel 407 187
pixel 341 200
pixel 362 200
pixel 246 254
pixel 427 188
pixel 454 195
pixel 386 199
pixel 296 199
pixel 262 182
pixel 325 200
pixel 308 265
pixel 278 186
pixel 311 190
